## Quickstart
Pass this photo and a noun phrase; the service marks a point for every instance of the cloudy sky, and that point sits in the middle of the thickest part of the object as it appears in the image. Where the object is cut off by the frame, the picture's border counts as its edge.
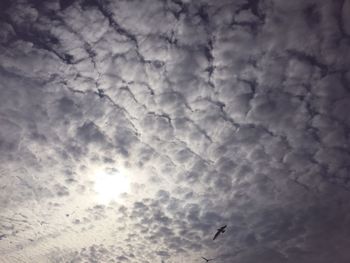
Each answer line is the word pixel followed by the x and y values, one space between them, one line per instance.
pixel 130 130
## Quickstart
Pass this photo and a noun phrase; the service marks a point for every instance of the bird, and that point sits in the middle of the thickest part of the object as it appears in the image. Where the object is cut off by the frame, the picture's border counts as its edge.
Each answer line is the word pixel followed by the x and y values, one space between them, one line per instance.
pixel 207 260
pixel 220 230
pixel 100 93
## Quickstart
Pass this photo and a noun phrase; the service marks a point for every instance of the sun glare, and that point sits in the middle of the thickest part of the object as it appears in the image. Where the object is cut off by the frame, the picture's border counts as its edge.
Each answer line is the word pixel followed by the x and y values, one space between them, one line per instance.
pixel 109 185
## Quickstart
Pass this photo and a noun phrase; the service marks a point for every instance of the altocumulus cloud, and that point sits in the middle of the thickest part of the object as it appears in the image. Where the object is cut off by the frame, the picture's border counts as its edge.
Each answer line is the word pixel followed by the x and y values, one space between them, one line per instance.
pixel 220 112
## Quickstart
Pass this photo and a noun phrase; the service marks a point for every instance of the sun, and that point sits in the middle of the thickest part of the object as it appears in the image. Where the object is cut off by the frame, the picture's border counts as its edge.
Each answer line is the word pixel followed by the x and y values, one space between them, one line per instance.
pixel 110 184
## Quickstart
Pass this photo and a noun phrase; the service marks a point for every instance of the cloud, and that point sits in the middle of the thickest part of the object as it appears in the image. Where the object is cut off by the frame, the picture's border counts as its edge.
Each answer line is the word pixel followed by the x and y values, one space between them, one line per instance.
pixel 219 112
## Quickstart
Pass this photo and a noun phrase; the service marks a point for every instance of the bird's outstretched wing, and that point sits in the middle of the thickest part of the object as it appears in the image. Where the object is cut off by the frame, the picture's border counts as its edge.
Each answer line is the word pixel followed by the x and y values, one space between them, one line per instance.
pixel 205 259
pixel 217 234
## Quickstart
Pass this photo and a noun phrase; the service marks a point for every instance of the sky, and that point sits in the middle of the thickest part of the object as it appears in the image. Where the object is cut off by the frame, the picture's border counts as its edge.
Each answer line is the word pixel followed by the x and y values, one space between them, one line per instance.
pixel 131 130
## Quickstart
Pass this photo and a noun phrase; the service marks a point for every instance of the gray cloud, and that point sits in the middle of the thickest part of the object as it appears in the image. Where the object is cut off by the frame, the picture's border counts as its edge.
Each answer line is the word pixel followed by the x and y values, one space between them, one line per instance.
pixel 222 112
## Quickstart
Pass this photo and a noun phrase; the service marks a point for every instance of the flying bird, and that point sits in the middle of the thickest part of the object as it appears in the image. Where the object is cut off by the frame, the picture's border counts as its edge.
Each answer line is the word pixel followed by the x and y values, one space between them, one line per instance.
pixel 220 230
pixel 100 93
pixel 207 260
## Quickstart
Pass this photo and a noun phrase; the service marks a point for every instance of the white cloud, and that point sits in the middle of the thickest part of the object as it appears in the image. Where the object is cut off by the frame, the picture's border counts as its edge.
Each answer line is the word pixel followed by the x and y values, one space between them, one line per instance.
pixel 219 112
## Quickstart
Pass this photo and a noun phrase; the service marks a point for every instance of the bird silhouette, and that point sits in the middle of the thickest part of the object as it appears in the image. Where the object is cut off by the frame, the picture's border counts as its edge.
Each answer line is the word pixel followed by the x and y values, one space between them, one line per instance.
pixel 207 260
pixel 220 230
